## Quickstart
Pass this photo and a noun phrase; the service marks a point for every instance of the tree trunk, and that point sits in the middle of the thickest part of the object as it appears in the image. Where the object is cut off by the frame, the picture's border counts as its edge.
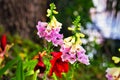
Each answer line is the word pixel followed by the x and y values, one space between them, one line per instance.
pixel 21 16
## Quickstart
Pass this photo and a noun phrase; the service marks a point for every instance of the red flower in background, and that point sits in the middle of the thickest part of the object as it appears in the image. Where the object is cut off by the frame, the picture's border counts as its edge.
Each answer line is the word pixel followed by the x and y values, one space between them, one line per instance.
pixel 3 43
pixel 40 65
pixel 57 65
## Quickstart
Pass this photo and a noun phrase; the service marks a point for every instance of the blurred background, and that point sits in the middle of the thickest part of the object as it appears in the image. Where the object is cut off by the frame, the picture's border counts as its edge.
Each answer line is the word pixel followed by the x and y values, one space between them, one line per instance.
pixel 100 20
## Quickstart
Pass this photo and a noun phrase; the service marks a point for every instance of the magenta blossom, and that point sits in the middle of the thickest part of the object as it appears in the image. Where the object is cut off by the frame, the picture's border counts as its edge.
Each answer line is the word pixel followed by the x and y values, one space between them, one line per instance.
pixel 72 58
pixel 83 58
pixel 41 27
pixel 50 32
pixel 54 37
pixel 74 53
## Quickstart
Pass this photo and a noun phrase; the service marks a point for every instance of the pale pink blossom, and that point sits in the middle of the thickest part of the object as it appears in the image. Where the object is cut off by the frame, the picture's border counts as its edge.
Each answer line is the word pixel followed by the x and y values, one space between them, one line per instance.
pixel 72 58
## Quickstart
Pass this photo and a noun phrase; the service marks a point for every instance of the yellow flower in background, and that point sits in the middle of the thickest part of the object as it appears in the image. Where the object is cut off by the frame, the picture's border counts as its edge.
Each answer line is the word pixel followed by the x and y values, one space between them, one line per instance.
pixel 22 55
pixel 116 59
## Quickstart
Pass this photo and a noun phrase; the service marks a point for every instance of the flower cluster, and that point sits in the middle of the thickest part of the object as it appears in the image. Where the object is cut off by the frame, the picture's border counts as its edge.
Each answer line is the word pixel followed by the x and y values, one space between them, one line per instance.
pixel 50 31
pixel 71 49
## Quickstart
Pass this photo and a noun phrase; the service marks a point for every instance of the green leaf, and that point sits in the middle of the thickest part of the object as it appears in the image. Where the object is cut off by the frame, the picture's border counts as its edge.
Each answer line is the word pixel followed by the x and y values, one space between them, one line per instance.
pixel 19 71
pixel 30 65
pixel 8 65
pixel 76 22
pixel 31 72
pixel 13 78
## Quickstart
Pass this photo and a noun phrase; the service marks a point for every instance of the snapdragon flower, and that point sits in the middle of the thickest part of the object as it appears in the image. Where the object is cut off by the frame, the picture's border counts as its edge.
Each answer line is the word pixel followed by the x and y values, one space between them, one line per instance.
pixel 41 27
pixel 73 51
pixel 50 31
pixel 71 47
pixel 40 65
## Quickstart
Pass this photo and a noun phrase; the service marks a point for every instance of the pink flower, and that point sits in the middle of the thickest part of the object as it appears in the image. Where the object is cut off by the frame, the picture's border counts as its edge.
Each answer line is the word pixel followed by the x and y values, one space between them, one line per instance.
pixel 64 49
pixel 49 33
pixel 74 53
pixel 81 50
pixel 72 58
pixel 65 56
pixel 58 39
pixel 49 36
pixel 55 37
pixel 109 77
pixel 83 58
pixel 41 27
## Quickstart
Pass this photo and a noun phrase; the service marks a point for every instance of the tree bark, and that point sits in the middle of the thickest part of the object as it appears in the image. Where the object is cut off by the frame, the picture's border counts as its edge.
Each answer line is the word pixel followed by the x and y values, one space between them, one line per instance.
pixel 21 16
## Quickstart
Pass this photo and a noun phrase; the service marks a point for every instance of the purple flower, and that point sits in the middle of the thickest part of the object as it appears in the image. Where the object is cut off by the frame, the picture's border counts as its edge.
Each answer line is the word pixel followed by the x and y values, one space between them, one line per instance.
pixel 50 31
pixel 57 42
pixel 74 53
pixel 54 37
pixel 81 50
pixel 72 58
pixel 109 77
pixel 58 39
pixel 41 27
pixel 65 49
pixel 48 36
pixel 65 56
pixel 83 58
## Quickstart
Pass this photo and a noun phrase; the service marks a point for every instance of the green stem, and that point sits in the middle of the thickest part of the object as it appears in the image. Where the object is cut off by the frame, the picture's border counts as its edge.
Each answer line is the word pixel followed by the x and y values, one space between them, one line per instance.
pixel 54 77
pixel 35 75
